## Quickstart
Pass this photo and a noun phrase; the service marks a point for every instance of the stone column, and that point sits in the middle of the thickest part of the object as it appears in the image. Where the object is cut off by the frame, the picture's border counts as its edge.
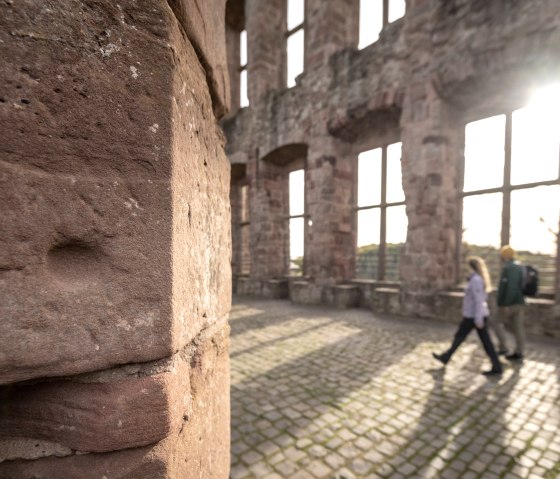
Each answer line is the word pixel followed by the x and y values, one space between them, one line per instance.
pixel 331 240
pixel 114 265
pixel 269 226
pixel 432 147
pixel 266 46
pixel 331 26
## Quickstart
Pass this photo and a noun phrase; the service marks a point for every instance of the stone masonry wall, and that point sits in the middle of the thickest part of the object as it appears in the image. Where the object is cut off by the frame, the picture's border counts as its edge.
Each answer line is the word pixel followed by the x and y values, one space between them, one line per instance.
pixel 116 240
pixel 443 64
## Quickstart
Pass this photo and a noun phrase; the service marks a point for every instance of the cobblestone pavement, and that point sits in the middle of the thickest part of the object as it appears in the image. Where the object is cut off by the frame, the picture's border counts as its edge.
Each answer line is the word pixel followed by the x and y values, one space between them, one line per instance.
pixel 320 393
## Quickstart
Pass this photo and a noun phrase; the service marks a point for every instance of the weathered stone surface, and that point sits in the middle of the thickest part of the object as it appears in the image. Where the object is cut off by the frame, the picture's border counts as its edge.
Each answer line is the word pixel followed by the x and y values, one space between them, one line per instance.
pixel 201 248
pixel 12 448
pixel 115 247
pixel 93 175
pixel 96 417
pixel 185 408
pixel 203 21
pixel 140 463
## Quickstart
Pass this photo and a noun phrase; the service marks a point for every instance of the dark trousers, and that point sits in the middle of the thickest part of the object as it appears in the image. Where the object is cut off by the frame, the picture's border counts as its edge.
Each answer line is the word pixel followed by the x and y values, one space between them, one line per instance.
pixel 466 326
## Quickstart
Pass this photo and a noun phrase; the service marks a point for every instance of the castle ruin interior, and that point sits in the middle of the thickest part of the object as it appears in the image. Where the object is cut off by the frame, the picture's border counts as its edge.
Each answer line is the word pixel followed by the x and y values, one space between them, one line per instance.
pixel 339 152
pixel 375 147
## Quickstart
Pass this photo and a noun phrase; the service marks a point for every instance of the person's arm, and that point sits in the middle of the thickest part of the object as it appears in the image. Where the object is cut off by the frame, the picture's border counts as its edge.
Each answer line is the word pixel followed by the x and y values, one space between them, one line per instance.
pixel 502 287
pixel 479 299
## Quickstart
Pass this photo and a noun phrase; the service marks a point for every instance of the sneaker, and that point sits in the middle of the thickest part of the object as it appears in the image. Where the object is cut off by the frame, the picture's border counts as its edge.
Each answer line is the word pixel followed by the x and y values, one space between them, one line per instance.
pixel 440 358
pixel 492 372
pixel 514 357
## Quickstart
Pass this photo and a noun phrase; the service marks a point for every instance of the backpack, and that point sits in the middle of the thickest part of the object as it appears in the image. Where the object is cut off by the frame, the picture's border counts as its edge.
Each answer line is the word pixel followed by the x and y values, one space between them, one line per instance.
pixel 530 284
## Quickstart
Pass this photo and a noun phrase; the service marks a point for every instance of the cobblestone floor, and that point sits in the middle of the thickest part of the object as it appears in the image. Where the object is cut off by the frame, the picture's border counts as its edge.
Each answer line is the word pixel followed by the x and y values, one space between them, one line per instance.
pixel 320 393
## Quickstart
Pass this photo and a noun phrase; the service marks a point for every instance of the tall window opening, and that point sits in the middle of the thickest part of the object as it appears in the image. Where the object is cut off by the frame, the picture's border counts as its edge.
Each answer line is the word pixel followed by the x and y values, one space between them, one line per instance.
pixel 243 94
pixel 244 231
pixel 381 217
pixel 296 220
pixel 374 15
pixel 295 40
pixel 511 187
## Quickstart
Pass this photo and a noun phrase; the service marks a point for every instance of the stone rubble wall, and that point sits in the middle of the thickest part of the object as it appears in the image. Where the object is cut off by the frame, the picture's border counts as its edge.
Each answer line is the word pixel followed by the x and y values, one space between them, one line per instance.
pixel 114 265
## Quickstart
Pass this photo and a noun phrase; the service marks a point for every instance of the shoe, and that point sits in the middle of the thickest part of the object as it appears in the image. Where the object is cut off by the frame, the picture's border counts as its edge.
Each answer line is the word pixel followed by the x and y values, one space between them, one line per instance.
pixel 514 357
pixel 440 358
pixel 502 352
pixel 493 372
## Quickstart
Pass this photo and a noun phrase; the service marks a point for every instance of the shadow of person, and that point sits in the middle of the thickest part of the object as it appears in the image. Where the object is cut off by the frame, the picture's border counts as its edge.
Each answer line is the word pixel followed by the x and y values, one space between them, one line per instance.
pixel 462 429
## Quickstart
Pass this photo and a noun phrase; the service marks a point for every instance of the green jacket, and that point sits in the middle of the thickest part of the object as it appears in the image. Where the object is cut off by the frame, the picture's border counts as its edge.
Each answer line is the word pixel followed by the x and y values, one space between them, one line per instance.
pixel 510 288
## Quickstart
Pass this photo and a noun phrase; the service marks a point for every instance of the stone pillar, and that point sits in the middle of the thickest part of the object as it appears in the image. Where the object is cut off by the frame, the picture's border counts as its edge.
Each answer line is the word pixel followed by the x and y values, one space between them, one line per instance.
pixel 114 265
pixel 432 147
pixel 331 26
pixel 233 56
pixel 266 50
pixel 269 226
pixel 330 248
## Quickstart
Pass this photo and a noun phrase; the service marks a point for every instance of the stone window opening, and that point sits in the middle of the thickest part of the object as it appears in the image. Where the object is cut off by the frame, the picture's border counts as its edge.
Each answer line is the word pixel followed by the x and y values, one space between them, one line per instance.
pixel 244 230
pixel 296 221
pixel 295 40
pixel 240 216
pixel 511 189
pixel 380 214
pixel 237 54
pixel 375 15
pixel 243 80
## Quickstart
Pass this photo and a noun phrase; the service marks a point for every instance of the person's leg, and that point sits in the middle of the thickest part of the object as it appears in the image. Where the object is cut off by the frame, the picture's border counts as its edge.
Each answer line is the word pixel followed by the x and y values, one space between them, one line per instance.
pixel 519 329
pixel 466 326
pixel 489 348
pixel 496 324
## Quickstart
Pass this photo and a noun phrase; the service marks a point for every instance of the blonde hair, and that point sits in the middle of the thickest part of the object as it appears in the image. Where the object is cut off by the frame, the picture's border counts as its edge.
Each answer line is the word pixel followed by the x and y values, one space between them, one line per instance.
pixel 479 266
pixel 507 252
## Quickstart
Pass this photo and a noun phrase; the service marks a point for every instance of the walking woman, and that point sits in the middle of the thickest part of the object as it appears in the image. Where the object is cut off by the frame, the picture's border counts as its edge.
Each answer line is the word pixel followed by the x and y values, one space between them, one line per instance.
pixel 475 315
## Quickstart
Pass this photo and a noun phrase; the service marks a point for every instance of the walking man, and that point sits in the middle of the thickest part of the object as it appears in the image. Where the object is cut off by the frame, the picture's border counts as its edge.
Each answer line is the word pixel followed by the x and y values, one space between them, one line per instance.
pixel 511 304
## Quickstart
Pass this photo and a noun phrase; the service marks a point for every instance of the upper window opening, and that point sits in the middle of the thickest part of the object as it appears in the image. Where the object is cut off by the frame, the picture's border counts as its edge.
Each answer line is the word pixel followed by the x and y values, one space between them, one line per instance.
pixel 374 15
pixel 243 92
pixel 295 42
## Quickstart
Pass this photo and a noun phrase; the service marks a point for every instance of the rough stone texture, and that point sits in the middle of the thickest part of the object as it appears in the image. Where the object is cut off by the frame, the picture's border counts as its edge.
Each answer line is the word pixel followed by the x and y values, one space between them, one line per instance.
pixel 197 383
pixel 96 417
pixel 115 247
pixel 342 296
pixel 440 66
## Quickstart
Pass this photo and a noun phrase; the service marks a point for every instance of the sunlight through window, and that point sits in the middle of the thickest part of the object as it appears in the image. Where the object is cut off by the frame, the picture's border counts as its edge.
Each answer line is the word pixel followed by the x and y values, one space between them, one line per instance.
pixel 484 153
pixel 296 13
pixel 381 215
pixel 373 18
pixel 512 183
pixel 295 56
pixel 296 188
pixel 371 21
pixel 295 43
pixel 243 87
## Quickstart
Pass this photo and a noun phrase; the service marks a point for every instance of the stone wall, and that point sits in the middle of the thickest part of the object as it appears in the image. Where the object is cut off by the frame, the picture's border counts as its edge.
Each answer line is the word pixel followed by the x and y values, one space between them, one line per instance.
pixel 443 64
pixel 115 240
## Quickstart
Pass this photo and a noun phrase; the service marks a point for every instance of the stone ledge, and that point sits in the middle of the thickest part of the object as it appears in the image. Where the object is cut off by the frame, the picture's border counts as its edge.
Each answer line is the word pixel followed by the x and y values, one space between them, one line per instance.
pixel 276 289
pixel 343 296
pixel 386 301
pixel 304 292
